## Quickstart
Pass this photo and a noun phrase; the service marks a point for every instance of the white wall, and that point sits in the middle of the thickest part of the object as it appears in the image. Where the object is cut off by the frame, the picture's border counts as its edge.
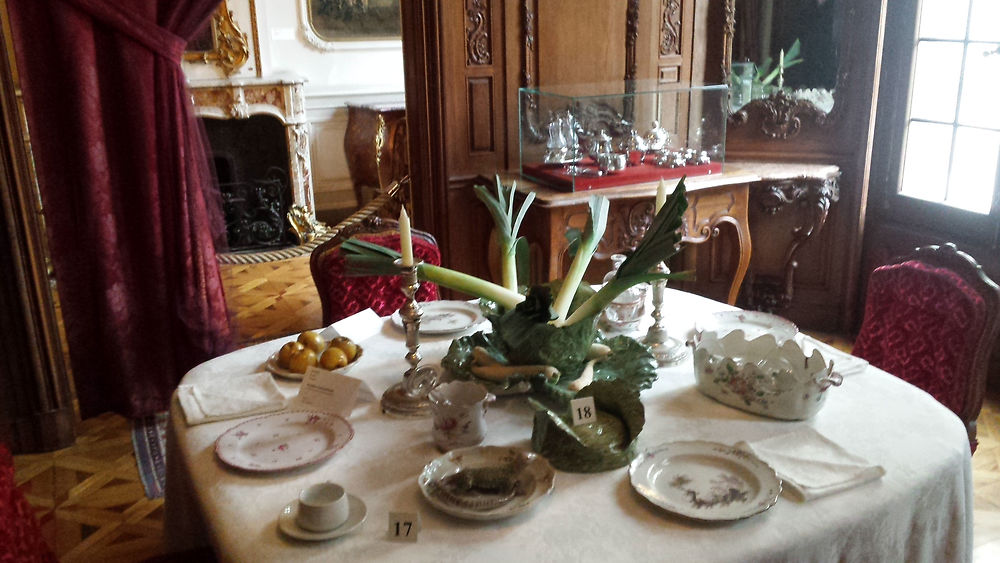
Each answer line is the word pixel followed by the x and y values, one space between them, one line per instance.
pixel 335 73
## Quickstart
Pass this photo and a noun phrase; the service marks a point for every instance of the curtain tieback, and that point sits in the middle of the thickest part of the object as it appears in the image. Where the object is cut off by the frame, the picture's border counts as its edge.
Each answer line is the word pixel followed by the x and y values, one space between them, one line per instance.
pixel 157 39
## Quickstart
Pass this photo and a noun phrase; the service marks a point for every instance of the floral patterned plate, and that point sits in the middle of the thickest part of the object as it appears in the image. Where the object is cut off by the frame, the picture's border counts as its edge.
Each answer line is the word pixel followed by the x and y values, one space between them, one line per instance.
pixel 283 440
pixel 530 477
pixel 445 317
pixel 705 480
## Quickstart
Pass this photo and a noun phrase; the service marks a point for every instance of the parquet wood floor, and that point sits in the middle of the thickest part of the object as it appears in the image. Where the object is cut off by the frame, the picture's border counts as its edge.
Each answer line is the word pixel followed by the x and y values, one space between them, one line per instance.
pixel 91 503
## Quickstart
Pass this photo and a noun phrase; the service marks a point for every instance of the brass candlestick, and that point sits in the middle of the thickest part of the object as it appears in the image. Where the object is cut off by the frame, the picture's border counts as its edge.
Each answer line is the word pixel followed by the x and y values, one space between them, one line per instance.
pixel 666 349
pixel 408 398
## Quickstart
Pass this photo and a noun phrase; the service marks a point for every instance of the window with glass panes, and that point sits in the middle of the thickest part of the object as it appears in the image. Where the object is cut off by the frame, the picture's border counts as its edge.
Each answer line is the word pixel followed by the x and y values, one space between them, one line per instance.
pixel 952 141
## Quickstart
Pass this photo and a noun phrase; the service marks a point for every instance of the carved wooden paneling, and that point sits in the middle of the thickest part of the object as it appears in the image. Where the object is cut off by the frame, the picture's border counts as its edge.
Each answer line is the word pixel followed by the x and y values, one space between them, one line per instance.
pixel 479 44
pixel 670 27
pixel 481 114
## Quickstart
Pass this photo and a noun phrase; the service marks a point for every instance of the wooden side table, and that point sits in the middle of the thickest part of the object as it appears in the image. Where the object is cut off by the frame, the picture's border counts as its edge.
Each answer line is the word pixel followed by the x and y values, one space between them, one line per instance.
pixel 713 200
pixel 375 147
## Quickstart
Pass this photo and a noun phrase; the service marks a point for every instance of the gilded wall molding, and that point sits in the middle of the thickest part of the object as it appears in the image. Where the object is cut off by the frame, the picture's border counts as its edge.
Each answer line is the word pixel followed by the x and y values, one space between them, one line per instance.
pixel 231 47
pixel 478 45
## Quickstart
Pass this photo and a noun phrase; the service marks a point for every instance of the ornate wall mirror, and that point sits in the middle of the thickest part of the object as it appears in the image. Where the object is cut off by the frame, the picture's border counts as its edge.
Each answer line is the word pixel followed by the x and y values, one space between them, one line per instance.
pixel 783 56
pixel 221 42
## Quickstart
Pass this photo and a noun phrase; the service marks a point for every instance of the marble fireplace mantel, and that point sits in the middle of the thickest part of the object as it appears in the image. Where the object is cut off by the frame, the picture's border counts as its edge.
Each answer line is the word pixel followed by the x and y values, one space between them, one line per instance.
pixel 278 96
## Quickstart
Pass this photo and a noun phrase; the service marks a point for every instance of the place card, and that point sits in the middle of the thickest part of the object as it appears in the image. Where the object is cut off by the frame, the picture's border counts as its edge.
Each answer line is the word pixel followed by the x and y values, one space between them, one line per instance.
pixel 404 526
pixel 583 410
pixel 327 391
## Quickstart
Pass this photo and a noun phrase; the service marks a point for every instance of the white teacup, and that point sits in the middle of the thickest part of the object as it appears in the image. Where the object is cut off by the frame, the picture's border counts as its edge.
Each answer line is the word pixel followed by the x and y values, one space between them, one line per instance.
pixel 322 507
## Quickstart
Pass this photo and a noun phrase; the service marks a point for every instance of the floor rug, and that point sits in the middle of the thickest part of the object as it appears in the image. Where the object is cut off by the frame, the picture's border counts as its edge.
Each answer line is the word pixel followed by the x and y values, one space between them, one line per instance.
pixel 149 441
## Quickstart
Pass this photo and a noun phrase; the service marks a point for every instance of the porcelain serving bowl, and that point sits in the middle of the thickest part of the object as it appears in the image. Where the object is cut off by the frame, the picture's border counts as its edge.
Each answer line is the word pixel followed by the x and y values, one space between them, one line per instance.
pixel 761 375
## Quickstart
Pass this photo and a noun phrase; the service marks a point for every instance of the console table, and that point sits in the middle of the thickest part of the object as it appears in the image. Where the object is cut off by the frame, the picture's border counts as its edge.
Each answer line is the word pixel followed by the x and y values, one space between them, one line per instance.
pixel 712 200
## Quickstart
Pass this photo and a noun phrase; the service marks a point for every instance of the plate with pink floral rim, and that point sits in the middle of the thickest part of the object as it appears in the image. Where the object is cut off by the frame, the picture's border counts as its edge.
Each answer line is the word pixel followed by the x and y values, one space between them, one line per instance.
pixel 705 481
pixel 284 440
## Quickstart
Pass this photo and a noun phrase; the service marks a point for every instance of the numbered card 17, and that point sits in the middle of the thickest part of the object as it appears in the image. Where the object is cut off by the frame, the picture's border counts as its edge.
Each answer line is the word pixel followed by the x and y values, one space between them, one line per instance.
pixel 404 526
pixel 583 410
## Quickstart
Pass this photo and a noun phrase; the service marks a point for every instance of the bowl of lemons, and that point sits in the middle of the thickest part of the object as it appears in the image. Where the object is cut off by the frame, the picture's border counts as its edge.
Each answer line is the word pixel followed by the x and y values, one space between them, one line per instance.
pixel 310 349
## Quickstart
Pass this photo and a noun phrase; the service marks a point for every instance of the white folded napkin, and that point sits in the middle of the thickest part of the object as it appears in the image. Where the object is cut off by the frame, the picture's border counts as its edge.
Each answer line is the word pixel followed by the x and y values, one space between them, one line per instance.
pixel 224 397
pixel 811 465
pixel 357 327
pixel 843 363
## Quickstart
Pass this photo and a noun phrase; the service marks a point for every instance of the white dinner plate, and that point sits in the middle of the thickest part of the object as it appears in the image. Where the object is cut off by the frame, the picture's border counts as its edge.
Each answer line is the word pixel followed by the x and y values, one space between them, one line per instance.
pixel 283 440
pixel 355 518
pixel 535 479
pixel 445 317
pixel 705 480
pixel 753 324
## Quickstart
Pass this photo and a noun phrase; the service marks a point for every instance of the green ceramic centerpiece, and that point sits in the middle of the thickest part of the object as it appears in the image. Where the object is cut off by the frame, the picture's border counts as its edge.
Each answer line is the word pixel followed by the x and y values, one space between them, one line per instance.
pixel 545 340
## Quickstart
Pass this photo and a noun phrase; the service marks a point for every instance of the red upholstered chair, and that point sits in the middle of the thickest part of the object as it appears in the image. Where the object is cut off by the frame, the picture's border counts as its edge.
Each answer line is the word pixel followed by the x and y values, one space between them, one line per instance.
pixel 342 296
pixel 931 319
pixel 20 536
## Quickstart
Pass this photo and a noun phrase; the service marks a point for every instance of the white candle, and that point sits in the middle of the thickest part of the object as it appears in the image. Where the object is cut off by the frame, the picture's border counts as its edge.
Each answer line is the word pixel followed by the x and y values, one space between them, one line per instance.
pixel 405 240
pixel 661 195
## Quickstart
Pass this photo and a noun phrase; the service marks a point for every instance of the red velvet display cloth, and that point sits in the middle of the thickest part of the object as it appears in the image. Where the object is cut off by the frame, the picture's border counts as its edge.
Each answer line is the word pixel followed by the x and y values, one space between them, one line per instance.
pixel 20 535
pixel 130 211
pixel 922 324
pixel 554 175
pixel 342 296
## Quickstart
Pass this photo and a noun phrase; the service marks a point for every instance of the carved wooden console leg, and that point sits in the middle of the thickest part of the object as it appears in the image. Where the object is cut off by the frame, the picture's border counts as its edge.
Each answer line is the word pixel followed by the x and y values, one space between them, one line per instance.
pixel 812 197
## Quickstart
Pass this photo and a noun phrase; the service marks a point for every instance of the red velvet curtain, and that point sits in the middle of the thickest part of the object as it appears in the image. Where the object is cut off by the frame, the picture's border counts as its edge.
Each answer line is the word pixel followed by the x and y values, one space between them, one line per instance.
pixel 126 189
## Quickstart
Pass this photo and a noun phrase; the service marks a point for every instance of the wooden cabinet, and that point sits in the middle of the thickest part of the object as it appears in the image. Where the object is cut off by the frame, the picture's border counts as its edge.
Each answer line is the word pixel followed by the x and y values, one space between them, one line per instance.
pixel 465 62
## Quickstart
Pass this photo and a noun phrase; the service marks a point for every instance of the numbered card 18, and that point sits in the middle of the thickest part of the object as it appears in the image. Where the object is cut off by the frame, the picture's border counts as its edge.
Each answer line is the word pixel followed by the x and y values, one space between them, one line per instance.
pixel 404 526
pixel 583 410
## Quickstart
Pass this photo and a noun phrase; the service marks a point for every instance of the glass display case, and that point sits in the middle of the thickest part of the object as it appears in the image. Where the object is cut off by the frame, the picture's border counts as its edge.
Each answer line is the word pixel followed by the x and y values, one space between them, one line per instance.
pixel 584 137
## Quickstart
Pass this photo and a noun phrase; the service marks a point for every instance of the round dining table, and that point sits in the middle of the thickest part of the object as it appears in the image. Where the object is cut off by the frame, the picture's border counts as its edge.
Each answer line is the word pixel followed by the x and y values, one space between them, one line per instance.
pixel 919 510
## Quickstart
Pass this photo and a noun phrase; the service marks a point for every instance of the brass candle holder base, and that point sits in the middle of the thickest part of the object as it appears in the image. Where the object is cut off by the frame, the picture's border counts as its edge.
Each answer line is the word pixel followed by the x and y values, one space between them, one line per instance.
pixel 408 398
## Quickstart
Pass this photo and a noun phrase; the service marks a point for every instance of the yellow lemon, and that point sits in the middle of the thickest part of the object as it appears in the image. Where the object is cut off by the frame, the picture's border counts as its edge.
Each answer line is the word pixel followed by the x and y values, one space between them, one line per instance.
pixel 313 341
pixel 333 358
pixel 302 360
pixel 347 345
pixel 287 351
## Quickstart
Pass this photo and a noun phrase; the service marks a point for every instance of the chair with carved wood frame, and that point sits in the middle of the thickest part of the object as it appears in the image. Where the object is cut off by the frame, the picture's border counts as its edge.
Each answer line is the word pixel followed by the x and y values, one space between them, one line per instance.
pixel 931 319
pixel 341 295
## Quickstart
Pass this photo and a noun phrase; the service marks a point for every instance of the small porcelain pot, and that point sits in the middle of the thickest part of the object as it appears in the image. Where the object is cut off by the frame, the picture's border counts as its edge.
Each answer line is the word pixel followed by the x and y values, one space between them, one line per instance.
pixel 459 414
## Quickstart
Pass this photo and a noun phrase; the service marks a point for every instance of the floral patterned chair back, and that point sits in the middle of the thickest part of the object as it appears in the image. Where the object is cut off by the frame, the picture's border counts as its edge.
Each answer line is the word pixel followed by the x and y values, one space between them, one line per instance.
pixel 341 295
pixel 931 319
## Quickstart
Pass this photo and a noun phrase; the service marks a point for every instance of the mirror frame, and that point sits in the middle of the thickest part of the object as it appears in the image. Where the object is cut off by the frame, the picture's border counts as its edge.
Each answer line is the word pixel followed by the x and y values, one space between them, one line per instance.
pixel 781 116
pixel 230 47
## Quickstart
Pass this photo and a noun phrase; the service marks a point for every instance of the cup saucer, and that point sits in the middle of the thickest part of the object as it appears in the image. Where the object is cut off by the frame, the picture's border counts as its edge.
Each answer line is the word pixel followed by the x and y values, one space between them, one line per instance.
pixel 356 517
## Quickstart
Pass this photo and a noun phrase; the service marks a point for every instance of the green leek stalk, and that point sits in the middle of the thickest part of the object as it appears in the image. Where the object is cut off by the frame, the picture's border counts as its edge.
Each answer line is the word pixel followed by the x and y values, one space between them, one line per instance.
pixel 660 242
pixel 369 259
pixel 501 208
pixel 597 221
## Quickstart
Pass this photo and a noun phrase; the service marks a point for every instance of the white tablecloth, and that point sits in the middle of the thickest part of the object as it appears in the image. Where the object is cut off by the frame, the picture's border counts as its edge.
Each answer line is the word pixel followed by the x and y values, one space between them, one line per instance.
pixel 921 510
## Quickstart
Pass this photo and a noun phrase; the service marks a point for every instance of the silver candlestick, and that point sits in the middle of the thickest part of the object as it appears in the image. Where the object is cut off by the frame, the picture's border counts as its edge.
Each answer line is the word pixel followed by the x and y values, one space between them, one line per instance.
pixel 408 398
pixel 666 349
